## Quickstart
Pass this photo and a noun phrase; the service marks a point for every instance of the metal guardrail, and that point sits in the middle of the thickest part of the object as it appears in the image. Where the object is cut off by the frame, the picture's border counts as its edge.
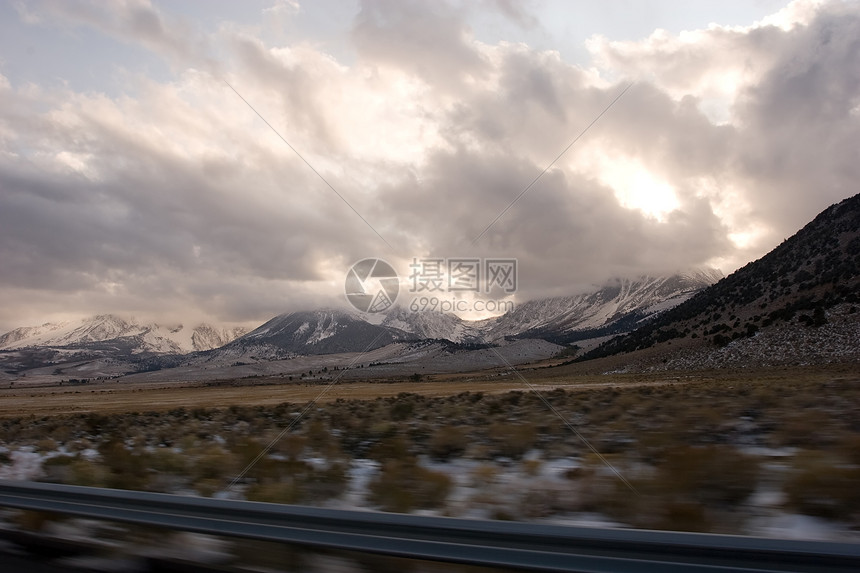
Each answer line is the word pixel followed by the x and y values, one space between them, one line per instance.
pixel 536 547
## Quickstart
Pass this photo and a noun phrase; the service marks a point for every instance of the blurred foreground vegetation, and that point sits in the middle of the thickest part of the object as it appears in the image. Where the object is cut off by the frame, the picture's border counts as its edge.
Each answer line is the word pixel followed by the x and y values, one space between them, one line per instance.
pixel 704 456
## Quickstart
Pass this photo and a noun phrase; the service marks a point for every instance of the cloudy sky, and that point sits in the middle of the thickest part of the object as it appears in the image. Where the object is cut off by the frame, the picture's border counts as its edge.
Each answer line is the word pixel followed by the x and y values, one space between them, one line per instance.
pixel 135 178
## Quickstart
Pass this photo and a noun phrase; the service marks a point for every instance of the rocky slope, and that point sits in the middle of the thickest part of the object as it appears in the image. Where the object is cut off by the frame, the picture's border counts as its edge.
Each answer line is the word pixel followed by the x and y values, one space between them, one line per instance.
pixel 791 293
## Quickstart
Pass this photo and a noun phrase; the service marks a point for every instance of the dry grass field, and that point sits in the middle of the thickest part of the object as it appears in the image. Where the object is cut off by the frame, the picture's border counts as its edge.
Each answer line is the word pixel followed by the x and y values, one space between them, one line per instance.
pixel 112 396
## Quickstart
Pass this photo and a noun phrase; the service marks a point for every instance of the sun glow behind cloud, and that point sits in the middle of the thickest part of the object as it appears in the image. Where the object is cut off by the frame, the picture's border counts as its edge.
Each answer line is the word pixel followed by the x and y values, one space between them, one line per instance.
pixel 637 188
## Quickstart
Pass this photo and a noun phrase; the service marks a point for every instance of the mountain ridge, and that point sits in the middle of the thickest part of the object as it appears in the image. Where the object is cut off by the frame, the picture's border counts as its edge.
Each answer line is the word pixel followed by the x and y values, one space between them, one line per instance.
pixel 620 304
pixel 112 345
pixel 142 337
pixel 799 282
pixel 618 298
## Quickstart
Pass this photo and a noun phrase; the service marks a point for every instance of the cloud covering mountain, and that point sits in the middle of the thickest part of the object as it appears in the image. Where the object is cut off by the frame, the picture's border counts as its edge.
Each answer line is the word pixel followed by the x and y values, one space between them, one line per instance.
pixel 160 192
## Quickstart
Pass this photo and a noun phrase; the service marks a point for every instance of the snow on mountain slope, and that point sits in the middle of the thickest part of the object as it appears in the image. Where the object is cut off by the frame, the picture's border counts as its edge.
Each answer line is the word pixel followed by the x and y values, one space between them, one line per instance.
pixel 705 276
pixel 160 339
pixel 428 324
pixel 30 335
pixel 620 299
pixel 94 329
pixel 207 337
pixel 324 331
pixel 630 300
pixel 328 331
pixel 616 307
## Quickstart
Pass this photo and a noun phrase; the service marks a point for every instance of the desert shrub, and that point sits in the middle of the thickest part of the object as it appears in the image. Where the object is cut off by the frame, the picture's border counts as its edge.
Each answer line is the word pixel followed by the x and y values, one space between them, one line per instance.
pixel 807 427
pixel 291 445
pixel 483 475
pixel 58 468
pixel 275 492
pixel 494 407
pixel 381 429
pixel 689 489
pixel 187 443
pixel 46 445
pixel 448 441
pixel 318 435
pixel 208 487
pixel 327 482
pixel 654 444
pixel 532 467
pixel 402 409
pixel 391 448
pixel 89 473
pixel 402 486
pixel 59 461
pixel 712 475
pixel 168 461
pixel 512 440
pixel 645 507
pixel 213 464
pixel 125 469
pixel 536 503
pixel 253 457
pixel 849 447
pixel 296 481
pixel 683 516
pixel 824 486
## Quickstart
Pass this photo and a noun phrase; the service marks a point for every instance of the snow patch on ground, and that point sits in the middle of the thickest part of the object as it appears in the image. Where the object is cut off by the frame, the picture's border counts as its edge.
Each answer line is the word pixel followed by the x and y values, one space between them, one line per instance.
pixel 796 526
pixel 25 464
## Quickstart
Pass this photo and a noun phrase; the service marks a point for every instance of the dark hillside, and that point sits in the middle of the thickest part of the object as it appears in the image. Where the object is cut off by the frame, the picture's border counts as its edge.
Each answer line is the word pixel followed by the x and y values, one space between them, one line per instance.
pixel 814 270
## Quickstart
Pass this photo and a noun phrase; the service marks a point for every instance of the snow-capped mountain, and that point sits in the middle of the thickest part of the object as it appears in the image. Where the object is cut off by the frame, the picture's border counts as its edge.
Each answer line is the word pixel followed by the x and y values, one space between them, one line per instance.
pixel 429 324
pixel 94 329
pixel 325 331
pixel 119 345
pixel 618 306
pixel 135 337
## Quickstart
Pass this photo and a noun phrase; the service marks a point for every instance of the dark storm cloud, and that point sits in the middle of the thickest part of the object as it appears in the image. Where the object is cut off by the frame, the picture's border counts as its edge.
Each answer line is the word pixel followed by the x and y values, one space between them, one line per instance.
pixel 143 227
pixel 567 233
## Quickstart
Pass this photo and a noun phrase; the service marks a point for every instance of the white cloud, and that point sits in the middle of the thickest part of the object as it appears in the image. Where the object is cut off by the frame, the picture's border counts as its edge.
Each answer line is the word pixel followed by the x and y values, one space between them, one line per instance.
pixel 283 8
